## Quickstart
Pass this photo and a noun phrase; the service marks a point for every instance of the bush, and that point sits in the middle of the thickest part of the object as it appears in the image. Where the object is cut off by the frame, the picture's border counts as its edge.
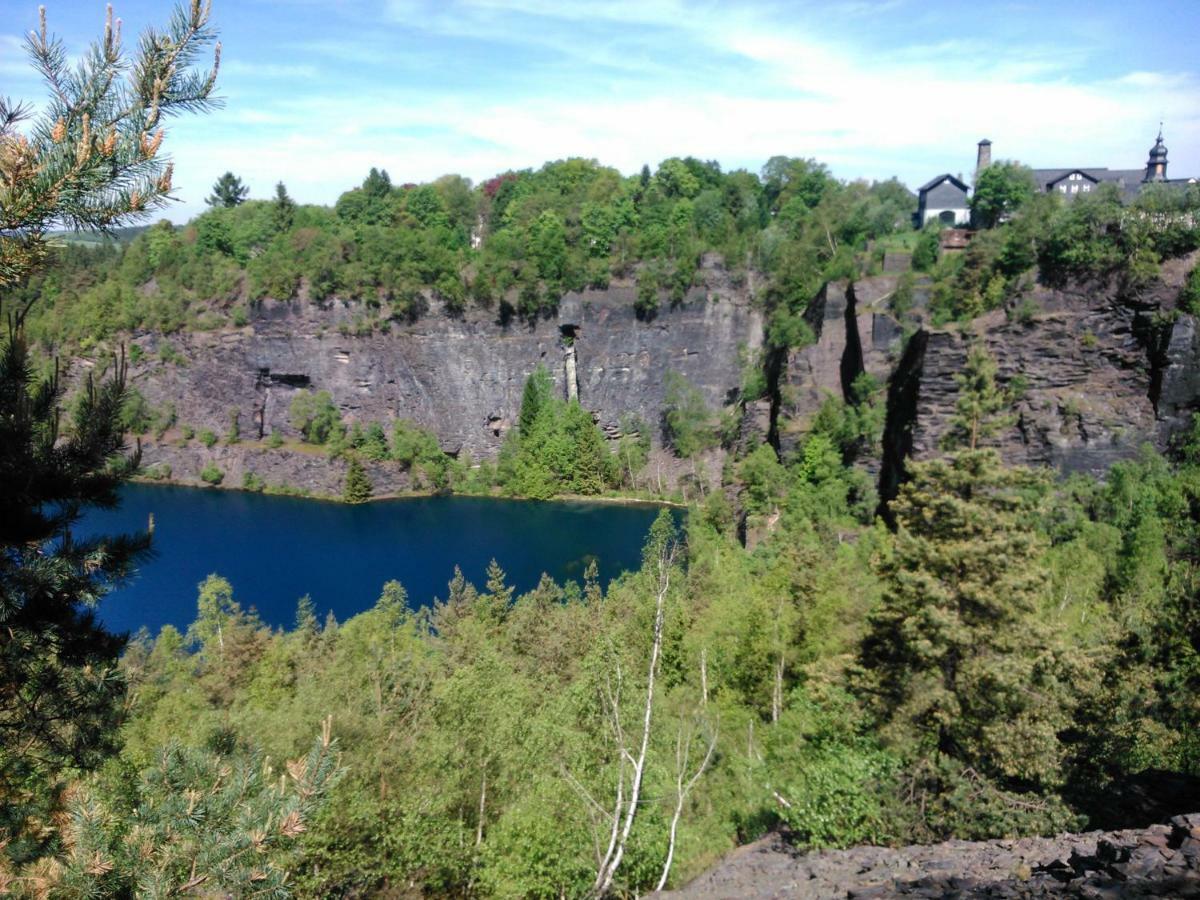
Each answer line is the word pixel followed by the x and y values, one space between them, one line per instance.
pixel 211 474
pixel 315 416
pixel 208 438
pixel 1189 297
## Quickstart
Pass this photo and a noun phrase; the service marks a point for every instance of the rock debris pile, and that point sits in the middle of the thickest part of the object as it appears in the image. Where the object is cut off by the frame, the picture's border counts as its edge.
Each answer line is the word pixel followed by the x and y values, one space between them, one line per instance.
pixel 1159 861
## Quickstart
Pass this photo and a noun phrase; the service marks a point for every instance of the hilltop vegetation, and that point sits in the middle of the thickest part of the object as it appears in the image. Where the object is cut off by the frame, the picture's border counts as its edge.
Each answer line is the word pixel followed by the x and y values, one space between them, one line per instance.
pixel 391 249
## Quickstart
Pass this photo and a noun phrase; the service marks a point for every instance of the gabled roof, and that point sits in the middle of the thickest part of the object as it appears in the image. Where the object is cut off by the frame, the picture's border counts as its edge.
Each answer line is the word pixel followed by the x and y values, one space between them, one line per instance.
pixel 1092 175
pixel 1128 181
pixel 935 182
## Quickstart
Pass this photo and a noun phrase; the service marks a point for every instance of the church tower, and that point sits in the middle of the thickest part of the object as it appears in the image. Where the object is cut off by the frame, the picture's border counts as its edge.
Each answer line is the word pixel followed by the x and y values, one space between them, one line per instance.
pixel 1156 165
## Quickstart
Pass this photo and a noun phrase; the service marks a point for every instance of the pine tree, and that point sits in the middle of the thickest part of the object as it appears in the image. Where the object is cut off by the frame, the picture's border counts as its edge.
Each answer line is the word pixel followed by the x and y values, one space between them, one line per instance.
pixel 283 208
pixel 90 159
pixel 965 679
pixel 980 411
pixel 494 605
pixel 215 822
pixel 534 401
pixel 228 192
pixel 306 616
pixel 357 486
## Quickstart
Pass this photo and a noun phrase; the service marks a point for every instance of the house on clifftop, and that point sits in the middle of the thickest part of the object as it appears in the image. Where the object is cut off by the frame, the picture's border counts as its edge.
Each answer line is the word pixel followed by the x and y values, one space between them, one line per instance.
pixel 1070 183
pixel 945 199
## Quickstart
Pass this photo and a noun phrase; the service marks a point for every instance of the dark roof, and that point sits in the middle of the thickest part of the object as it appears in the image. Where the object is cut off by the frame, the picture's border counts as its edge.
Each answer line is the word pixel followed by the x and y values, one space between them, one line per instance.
pixel 1128 181
pixel 930 185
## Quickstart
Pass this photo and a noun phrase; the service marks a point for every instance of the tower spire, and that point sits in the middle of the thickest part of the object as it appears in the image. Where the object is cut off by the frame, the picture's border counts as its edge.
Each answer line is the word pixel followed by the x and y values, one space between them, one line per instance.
pixel 1156 165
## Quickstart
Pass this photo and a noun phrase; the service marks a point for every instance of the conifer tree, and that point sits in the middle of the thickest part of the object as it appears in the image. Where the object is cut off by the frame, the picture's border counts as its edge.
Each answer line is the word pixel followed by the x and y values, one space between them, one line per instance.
pixel 89 159
pixel 534 400
pixel 91 156
pixel 283 208
pixel 357 486
pixel 965 679
pixel 228 192
pixel 981 405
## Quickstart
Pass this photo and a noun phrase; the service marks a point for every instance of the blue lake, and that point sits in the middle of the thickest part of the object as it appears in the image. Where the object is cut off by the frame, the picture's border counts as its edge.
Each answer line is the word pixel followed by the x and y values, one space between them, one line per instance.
pixel 276 549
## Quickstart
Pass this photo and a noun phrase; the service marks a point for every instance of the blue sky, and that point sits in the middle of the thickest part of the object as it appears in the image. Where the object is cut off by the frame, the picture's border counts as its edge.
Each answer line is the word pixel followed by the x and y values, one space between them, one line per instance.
pixel 318 91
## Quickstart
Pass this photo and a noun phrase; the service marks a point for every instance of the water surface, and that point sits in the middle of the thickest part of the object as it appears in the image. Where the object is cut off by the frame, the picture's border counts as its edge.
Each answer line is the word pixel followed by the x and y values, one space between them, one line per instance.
pixel 276 549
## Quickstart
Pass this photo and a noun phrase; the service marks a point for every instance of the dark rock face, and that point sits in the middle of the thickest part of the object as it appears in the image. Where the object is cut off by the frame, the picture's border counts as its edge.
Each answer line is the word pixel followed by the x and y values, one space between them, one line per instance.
pixel 1097 373
pixel 460 377
pixel 1096 376
pixel 1160 861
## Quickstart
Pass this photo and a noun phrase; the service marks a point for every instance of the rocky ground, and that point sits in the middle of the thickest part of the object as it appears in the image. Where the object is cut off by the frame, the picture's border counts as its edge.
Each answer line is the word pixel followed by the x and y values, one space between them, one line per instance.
pixel 1159 861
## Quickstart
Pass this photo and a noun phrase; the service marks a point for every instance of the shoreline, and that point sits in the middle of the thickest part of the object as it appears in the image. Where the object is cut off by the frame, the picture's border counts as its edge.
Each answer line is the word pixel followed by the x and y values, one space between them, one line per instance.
pixel 606 499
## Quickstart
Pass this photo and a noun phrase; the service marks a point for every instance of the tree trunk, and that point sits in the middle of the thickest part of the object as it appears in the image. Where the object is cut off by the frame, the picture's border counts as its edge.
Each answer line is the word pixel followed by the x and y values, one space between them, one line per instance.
pixel 609 866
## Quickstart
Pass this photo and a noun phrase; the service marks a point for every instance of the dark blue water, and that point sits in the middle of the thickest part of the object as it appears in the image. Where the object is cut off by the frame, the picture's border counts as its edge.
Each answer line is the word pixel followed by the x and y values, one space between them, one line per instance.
pixel 276 549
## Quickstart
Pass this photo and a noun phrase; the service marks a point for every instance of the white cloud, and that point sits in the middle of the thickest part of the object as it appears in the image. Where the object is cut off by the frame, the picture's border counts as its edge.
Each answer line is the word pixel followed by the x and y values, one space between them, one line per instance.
pixel 913 112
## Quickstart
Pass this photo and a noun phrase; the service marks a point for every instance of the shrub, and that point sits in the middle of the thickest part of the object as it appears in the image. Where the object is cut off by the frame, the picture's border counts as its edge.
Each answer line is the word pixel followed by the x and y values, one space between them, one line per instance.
pixel 207 438
pixel 211 474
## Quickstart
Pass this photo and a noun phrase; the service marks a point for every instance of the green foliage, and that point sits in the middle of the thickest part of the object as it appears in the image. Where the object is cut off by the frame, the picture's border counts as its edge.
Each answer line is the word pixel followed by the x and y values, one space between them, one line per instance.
pixel 212 474
pixel 356 488
pixel 1001 190
pixel 208 438
pixel 556 447
pixel 981 407
pixel 316 417
pixel 969 686
pixel 214 818
pixel 925 253
pixel 689 422
pixel 227 192
pixel 1189 296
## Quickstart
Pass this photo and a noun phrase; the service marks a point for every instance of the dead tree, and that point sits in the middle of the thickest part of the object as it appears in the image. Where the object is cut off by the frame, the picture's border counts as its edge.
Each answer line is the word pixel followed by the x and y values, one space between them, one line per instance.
pixel 683 750
pixel 625 806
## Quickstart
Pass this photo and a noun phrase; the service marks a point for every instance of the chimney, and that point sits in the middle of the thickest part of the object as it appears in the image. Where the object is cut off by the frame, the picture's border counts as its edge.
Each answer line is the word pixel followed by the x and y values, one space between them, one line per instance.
pixel 984 159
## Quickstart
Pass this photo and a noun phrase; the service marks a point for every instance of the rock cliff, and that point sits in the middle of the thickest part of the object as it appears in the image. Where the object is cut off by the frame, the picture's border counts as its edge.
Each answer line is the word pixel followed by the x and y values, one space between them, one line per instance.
pixel 462 377
pixel 1095 372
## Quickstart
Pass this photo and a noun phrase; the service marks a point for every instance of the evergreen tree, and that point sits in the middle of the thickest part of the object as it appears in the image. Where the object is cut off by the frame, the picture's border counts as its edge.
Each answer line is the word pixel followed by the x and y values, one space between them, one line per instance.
pixel 966 681
pixel 283 208
pixel 535 400
pixel 377 185
pixel 210 822
pixel 90 160
pixel 306 616
pixel 228 192
pixel 981 404
pixel 357 486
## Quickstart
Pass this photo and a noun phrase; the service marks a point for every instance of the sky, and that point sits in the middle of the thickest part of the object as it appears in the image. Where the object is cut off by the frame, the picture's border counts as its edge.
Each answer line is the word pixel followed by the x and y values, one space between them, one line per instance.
pixel 316 92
